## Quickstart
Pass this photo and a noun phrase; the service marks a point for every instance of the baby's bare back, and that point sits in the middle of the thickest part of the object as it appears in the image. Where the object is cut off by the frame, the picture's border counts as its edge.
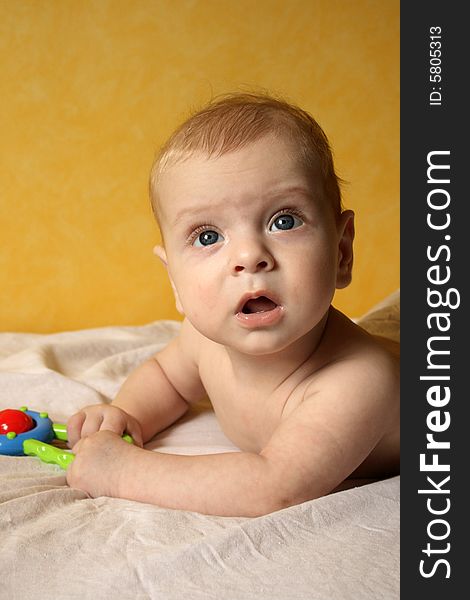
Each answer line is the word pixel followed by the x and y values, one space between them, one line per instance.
pixel 348 366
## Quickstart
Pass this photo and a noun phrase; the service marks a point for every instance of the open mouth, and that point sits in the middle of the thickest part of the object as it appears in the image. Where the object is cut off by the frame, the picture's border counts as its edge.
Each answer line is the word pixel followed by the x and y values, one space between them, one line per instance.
pixel 256 310
pixel 258 305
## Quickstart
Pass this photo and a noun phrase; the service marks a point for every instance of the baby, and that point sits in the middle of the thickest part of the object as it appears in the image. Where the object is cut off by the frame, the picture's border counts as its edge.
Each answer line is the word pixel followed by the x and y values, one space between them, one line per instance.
pixel 255 243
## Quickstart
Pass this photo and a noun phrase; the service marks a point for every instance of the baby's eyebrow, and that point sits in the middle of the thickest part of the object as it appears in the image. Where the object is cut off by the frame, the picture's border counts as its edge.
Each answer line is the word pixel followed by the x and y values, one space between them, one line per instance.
pixel 295 190
pixel 192 214
pixel 275 193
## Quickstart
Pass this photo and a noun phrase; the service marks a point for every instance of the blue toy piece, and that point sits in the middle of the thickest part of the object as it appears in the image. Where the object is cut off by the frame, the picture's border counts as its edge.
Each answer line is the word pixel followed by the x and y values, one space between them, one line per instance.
pixel 12 443
pixel 33 434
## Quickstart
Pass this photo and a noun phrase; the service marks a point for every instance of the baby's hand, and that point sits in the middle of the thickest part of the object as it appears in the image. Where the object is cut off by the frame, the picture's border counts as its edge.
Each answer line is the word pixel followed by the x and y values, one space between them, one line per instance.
pixel 100 464
pixel 101 417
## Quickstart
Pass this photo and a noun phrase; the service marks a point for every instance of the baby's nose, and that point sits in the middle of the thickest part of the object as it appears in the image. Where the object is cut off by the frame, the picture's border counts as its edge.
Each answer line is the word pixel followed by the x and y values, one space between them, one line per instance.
pixel 252 257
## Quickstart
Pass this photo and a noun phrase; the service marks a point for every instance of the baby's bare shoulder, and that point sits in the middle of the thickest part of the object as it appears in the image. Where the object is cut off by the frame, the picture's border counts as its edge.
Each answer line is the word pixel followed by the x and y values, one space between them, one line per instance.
pixel 180 362
pixel 348 411
pixel 358 370
pixel 338 428
pixel 348 347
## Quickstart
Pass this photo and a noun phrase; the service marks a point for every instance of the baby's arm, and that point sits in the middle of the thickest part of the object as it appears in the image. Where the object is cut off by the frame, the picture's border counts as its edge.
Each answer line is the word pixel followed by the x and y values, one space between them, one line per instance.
pixel 313 450
pixel 153 397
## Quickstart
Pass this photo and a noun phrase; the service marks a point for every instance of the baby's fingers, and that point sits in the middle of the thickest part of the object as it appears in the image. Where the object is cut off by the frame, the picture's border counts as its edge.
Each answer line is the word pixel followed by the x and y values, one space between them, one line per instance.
pixel 135 431
pixel 114 421
pixel 74 428
pixel 119 422
pixel 92 423
pixel 84 423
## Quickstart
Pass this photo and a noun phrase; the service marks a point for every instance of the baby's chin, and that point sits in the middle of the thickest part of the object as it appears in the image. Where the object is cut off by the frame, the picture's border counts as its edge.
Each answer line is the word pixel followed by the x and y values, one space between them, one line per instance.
pixel 256 343
pixel 263 341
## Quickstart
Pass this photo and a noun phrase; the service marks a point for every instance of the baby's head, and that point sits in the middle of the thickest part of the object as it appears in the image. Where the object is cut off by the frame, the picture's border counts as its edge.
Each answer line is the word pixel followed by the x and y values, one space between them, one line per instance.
pixel 233 121
pixel 255 241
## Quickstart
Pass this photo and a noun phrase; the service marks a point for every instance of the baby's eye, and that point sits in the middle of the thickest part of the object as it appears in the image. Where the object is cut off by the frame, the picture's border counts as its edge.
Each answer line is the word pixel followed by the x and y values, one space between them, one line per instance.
pixel 284 222
pixel 207 238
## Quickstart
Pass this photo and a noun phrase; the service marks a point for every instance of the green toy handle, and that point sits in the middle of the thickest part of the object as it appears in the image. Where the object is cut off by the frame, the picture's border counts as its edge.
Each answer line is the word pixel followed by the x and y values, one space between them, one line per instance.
pixel 53 455
pixel 48 453
pixel 60 431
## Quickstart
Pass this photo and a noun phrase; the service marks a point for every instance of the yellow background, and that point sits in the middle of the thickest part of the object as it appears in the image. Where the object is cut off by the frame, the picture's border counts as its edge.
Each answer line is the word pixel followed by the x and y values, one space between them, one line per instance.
pixel 90 88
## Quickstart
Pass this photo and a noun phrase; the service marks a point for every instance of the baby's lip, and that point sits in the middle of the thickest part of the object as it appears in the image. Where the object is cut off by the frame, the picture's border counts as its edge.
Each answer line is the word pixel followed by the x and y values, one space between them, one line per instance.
pixel 253 295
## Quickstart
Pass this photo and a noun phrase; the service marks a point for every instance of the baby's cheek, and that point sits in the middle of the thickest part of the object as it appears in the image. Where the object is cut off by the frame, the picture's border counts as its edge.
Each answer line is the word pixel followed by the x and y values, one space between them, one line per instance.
pixel 314 278
pixel 200 302
pixel 207 296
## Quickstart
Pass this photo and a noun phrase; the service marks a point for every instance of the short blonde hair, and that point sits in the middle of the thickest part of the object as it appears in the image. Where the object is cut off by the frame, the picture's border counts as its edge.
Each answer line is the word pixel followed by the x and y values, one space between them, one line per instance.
pixel 232 121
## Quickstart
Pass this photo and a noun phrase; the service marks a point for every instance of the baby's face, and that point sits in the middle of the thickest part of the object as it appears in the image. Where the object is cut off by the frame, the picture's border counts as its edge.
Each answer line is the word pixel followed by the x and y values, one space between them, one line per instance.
pixel 253 248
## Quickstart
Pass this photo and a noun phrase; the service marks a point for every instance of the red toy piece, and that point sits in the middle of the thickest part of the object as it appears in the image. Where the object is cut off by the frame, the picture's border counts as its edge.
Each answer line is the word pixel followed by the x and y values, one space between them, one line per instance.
pixel 15 421
pixel 29 432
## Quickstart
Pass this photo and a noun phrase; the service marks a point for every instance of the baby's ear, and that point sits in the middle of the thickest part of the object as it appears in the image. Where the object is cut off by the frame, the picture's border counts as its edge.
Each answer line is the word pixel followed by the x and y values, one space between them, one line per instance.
pixel 345 249
pixel 161 253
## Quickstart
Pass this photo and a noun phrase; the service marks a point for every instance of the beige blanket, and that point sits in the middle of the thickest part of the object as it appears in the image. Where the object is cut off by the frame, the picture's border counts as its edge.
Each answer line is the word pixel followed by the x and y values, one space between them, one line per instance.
pixel 57 542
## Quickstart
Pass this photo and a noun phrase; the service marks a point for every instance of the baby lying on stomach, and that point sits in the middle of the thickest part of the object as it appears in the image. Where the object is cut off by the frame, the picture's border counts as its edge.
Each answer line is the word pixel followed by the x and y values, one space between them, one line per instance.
pixel 255 242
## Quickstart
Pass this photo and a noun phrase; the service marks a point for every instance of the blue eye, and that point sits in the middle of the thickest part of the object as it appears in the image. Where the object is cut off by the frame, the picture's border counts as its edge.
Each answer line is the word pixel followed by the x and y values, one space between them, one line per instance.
pixel 285 222
pixel 207 238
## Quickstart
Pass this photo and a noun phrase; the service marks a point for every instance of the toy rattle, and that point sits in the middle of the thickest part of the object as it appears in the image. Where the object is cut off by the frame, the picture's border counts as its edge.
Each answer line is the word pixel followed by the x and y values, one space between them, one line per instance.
pixel 27 432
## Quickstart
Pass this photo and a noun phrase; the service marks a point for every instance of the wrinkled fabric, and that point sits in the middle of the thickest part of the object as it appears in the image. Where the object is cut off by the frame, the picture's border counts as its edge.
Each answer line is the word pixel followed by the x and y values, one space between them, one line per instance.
pixel 56 541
